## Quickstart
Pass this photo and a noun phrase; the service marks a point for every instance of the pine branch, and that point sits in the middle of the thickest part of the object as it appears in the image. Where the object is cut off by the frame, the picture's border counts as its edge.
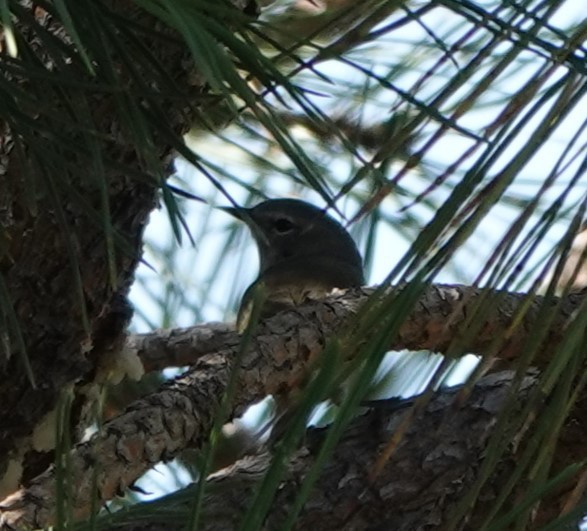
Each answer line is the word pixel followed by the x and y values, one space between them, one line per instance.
pixel 437 321
pixel 429 473
pixel 181 414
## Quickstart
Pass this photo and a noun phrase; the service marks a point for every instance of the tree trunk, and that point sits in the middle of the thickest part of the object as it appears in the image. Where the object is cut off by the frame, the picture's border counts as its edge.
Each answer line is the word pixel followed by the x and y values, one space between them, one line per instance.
pixel 64 285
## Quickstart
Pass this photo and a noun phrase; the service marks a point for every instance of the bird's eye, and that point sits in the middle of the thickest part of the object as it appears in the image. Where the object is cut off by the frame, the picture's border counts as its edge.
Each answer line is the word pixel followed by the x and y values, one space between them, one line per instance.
pixel 283 225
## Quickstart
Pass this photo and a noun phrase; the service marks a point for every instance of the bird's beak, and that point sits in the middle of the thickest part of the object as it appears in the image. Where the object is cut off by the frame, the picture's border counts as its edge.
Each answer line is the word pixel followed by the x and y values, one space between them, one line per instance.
pixel 244 215
pixel 235 212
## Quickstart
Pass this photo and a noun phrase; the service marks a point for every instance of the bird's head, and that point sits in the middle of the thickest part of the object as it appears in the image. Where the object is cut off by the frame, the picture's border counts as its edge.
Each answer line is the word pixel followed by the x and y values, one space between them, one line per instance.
pixel 290 230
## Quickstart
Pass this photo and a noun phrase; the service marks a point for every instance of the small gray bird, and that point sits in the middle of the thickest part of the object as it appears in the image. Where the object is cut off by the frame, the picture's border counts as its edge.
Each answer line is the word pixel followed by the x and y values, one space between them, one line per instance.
pixel 303 254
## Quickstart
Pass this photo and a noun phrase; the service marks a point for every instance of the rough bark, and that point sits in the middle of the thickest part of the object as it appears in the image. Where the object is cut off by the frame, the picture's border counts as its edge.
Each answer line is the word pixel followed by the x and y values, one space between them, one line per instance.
pixel 443 319
pixel 281 351
pixel 52 218
pixel 432 470
pixel 428 474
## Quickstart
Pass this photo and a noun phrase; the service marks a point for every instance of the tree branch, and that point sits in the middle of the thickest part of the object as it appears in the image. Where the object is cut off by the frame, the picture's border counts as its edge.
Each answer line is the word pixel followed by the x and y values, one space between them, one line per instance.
pixel 159 426
pixel 439 322
pixel 431 471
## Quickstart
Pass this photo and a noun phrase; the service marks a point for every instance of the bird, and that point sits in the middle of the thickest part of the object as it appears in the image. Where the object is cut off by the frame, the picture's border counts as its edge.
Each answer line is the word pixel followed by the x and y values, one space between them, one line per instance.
pixel 303 254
